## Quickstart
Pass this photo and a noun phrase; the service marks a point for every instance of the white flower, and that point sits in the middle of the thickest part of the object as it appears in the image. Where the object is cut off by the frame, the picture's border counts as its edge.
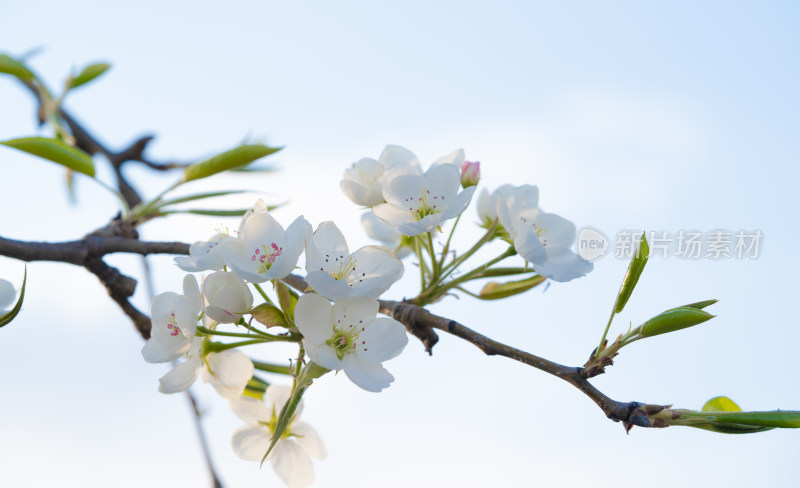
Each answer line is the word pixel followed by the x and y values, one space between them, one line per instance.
pixel 228 371
pixel 388 236
pixel 290 458
pixel 335 273
pixel 174 319
pixel 543 239
pixel 228 297
pixel 7 295
pixel 362 182
pixel 347 335
pixel 264 251
pixel 204 255
pixel 417 202
pixel 508 200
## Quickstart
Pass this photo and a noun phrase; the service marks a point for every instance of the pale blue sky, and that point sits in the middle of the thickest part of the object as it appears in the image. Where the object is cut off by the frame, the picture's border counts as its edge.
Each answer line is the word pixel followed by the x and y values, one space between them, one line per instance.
pixel 665 116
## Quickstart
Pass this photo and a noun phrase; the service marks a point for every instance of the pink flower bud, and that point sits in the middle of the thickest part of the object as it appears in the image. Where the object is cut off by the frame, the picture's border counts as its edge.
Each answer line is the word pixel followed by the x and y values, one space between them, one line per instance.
pixel 470 174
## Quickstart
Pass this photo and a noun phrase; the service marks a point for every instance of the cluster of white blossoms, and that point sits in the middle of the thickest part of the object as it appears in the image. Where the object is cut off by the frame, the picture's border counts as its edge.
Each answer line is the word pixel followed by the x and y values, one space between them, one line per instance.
pixel 338 323
pixel 543 239
pixel 335 322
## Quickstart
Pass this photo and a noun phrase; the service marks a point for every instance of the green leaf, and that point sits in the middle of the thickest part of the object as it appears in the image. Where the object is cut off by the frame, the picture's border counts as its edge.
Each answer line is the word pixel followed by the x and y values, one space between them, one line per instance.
pixel 200 196
pixel 8 317
pixel 287 298
pixel 700 305
pixel 306 377
pixel 13 67
pixel 721 404
pixel 269 315
pixel 741 422
pixel 54 150
pixel 495 272
pixel 88 74
pixel 674 319
pixel 234 158
pixel 496 291
pixel 632 276
pixel 214 213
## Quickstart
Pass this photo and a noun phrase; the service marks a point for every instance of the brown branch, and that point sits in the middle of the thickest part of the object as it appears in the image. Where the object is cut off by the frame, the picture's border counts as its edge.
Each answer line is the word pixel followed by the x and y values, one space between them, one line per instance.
pixel 422 324
pixel 88 252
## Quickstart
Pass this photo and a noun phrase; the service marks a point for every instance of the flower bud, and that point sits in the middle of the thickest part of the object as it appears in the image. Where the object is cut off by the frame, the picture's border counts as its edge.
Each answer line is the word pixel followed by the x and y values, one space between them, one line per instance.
pixel 470 174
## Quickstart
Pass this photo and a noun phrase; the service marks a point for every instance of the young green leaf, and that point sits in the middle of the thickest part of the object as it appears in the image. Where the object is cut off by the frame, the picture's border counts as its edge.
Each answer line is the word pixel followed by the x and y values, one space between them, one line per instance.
pixel 632 276
pixel 740 422
pixel 54 150
pixel 269 315
pixel 674 319
pixel 496 291
pixel 8 317
pixel 700 305
pixel 306 377
pixel 13 67
pixel 200 196
pixel 287 299
pixel 88 74
pixel 235 158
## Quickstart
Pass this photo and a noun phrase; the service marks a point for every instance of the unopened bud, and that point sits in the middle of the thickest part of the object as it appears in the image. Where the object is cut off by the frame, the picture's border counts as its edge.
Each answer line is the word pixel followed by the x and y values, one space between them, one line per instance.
pixel 470 174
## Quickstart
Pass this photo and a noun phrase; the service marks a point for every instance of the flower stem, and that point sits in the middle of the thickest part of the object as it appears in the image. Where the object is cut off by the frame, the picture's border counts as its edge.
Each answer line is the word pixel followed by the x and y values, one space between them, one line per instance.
pixel 262 292
pixel 272 368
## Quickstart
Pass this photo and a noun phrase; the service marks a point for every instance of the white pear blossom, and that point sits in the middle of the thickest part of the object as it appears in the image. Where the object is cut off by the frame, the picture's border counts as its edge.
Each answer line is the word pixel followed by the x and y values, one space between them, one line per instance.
pixel 174 318
pixel 418 202
pixel 228 297
pixel 361 183
pixel 264 250
pixel 335 273
pixel 291 456
pixel 386 235
pixel 204 255
pixel 543 239
pixel 227 371
pixel 7 295
pixel 347 335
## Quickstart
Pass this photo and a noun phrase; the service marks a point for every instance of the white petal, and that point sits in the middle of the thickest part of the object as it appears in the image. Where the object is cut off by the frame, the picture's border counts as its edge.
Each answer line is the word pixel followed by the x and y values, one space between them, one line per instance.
pixel 161 348
pixel 251 442
pixel 442 183
pixel 379 231
pixel 314 317
pixel 429 223
pixel 308 439
pixel 404 191
pixel 367 375
pixel 376 270
pixel 293 248
pixel 356 311
pixel 236 254
pixel 383 339
pixel 459 203
pixel 456 158
pixel 392 216
pixel 397 155
pixel 563 265
pixel 323 355
pixel 277 396
pixel 327 286
pixel 250 410
pixel 291 463
pixel 558 231
pixel 228 297
pixel 229 371
pixel 181 377
pixel 7 293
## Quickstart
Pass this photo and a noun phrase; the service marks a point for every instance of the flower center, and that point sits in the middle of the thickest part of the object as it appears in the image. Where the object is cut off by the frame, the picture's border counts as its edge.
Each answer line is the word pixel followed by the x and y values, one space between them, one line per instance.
pixel 265 256
pixel 344 339
pixel 538 228
pixel 173 325
pixel 426 204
